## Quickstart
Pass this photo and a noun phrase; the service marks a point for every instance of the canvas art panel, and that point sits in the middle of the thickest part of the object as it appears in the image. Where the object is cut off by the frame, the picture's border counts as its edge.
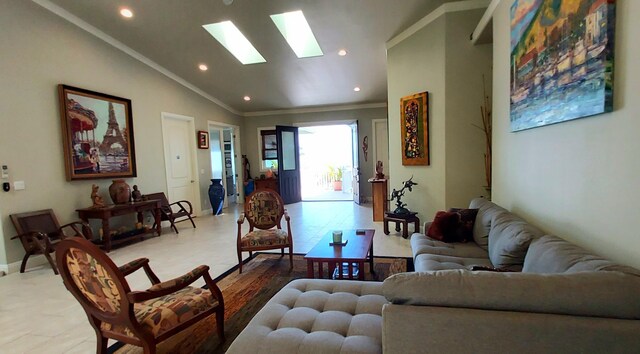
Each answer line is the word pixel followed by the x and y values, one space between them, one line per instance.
pixel 561 60
pixel 414 129
pixel 97 134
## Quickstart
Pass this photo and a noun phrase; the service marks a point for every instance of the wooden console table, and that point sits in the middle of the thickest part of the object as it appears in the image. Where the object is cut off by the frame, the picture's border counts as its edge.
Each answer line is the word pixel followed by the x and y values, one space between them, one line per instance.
pixel 379 192
pixel 107 212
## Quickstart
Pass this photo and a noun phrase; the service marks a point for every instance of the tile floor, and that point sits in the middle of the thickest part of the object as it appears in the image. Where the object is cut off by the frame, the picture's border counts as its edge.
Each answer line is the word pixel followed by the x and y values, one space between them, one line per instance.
pixel 38 315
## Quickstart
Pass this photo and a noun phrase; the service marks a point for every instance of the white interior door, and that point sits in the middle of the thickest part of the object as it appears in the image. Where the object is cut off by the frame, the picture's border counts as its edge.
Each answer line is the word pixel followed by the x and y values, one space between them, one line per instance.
pixel 356 163
pixel 178 139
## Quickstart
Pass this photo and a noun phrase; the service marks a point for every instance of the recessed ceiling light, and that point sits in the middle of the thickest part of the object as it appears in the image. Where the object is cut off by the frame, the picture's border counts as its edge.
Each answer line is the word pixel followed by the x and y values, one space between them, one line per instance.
pixel 231 38
pixel 247 98
pixel 203 67
pixel 296 31
pixel 356 89
pixel 342 52
pixel 126 13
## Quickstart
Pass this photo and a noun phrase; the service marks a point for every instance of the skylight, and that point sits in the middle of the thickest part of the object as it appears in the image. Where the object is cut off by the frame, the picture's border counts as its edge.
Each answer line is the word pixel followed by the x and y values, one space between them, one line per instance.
pixel 297 33
pixel 231 38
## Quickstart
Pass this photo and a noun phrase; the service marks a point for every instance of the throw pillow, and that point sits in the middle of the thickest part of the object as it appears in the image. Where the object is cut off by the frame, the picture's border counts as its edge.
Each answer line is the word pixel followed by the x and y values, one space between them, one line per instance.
pixel 463 231
pixel 443 226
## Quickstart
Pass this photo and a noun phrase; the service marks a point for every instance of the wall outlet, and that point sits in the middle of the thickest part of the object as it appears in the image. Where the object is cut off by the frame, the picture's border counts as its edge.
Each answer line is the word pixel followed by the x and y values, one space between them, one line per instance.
pixel 18 185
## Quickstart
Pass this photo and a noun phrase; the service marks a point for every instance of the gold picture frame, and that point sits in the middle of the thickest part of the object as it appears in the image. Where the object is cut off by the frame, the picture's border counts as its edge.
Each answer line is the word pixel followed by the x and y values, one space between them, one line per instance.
pixel 414 129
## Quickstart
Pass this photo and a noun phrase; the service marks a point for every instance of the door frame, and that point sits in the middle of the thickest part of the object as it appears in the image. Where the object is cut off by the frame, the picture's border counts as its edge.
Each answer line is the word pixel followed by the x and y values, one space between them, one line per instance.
pixel 197 208
pixel 237 149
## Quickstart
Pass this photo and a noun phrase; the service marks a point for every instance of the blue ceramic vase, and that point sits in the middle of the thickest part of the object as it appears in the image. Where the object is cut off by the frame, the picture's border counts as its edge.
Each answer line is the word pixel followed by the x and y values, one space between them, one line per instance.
pixel 216 196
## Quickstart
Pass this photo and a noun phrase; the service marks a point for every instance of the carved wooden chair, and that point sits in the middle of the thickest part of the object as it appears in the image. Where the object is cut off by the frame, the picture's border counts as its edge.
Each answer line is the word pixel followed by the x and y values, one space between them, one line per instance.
pixel 141 318
pixel 167 212
pixel 40 232
pixel 264 210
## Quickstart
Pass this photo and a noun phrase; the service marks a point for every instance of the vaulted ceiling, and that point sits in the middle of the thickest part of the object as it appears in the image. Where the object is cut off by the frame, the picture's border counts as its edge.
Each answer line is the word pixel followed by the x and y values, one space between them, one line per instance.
pixel 170 33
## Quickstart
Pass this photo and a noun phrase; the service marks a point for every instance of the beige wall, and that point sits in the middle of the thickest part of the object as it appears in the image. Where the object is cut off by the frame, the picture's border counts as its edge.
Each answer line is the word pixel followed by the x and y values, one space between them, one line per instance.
pixel 40 51
pixel 363 116
pixel 577 179
pixel 440 59
pixel 465 66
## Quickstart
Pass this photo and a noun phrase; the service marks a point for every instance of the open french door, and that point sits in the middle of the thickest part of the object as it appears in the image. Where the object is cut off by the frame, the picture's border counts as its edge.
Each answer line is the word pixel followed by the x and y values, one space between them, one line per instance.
pixel 355 164
pixel 288 164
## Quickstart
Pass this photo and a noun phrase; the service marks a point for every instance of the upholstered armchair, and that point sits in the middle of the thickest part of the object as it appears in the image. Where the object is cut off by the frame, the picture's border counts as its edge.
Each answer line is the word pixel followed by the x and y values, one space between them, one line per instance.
pixel 40 232
pixel 167 213
pixel 264 211
pixel 142 318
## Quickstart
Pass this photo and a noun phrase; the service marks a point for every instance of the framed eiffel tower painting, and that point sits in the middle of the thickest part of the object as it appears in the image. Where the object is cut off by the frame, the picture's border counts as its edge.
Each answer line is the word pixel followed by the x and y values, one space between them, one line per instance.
pixel 97 134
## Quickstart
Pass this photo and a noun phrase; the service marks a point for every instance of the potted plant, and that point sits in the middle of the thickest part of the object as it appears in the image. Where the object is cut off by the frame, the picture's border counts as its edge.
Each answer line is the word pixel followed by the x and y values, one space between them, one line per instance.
pixel 335 175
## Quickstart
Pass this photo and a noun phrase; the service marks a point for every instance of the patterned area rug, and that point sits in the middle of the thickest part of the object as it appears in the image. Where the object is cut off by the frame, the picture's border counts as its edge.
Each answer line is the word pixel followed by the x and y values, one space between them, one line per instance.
pixel 245 294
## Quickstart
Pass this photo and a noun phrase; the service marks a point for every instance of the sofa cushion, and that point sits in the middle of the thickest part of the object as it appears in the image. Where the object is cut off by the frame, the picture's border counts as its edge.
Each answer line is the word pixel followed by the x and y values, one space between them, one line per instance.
pixel 551 254
pixel 430 262
pixel 443 226
pixel 482 225
pixel 423 244
pixel 317 316
pixel 599 294
pixel 509 240
pixel 464 227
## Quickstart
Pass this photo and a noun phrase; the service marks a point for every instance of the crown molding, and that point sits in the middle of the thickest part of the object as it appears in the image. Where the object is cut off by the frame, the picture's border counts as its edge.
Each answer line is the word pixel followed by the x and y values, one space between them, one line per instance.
pixel 485 22
pixel 434 15
pixel 316 109
pixel 131 52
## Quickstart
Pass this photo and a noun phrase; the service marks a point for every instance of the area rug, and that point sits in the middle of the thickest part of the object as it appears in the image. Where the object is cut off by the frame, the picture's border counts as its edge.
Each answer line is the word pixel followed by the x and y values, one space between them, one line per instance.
pixel 245 294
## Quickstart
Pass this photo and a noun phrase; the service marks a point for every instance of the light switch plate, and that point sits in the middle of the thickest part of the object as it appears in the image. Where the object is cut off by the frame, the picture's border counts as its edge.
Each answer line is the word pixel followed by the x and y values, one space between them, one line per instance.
pixel 5 171
pixel 18 185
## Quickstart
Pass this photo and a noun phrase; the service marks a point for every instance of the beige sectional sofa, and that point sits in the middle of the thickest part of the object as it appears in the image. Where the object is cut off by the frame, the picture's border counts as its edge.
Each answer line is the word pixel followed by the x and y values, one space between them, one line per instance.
pixel 557 297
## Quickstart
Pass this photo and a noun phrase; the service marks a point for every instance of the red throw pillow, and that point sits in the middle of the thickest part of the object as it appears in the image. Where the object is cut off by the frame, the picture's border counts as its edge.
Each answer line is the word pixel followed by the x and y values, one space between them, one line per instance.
pixel 443 226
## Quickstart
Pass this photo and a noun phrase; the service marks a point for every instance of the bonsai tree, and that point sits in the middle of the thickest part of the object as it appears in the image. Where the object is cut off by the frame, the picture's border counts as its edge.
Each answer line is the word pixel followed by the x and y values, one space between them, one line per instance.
pixel 335 175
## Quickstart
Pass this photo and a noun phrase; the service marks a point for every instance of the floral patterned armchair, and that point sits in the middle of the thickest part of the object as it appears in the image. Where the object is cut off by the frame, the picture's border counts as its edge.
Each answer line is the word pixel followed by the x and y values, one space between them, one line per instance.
pixel 142 318
pixel 264 211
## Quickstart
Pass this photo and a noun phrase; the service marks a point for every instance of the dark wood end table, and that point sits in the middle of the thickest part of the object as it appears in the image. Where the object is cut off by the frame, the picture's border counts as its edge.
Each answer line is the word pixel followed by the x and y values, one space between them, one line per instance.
pixel 358 250
pixel 403 219
pixel 107 212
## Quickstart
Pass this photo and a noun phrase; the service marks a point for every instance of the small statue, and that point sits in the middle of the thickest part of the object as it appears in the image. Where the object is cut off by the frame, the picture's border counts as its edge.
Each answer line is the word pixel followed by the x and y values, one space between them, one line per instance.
pixel 136 195
pixel 400 206
pixel 379 174
pixel 97 200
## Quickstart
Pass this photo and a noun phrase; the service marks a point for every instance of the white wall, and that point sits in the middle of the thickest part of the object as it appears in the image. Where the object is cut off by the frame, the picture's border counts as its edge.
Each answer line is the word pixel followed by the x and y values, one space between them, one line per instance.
pixel 577 179
pixel 39 51
pixel 440 59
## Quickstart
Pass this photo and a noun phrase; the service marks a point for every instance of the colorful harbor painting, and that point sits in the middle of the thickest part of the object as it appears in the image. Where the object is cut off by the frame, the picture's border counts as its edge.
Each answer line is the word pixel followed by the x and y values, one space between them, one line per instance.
pixel 561 60
pixel 97 134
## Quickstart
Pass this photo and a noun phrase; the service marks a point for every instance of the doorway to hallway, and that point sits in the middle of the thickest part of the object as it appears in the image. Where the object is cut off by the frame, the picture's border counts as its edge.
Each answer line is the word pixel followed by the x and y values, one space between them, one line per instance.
pixel 326 162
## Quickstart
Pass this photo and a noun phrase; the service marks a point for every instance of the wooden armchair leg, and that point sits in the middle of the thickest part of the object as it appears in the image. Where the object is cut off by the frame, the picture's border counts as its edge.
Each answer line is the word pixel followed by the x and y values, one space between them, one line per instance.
pixel 240 261
pixel 290 256
pixel 173 226
pixel 220 323
pixel 101 344
pixel 192 223
pixel 23 266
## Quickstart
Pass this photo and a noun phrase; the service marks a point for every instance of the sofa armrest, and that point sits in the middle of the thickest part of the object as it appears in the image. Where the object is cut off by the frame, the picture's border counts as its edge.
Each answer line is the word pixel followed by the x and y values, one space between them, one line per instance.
pixel 599 294
pixel 432 329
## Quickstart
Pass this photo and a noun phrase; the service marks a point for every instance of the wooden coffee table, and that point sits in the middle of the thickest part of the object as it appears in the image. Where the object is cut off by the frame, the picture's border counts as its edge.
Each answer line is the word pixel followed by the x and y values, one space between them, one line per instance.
pixel 358 250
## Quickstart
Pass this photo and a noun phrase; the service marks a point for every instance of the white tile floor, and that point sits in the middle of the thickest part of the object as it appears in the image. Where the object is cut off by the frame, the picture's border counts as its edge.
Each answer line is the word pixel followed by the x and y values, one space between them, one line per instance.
pixel 38 315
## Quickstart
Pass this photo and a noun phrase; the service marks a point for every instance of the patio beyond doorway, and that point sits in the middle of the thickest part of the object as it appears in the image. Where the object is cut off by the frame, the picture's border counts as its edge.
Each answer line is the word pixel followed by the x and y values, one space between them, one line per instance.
pixel 326 160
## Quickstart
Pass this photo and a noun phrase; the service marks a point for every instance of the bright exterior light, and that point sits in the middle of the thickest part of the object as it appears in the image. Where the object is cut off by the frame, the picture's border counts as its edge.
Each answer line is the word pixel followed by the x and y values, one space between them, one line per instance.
pixel 297 33
pixel 126 13
pixel 231 38
pixel 342 52
pixel 247 98
pixel 203 67
pixel 356 89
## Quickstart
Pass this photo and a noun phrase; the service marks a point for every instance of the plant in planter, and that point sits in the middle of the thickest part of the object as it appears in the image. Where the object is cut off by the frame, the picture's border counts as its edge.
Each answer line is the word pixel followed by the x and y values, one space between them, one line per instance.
pixel 335 175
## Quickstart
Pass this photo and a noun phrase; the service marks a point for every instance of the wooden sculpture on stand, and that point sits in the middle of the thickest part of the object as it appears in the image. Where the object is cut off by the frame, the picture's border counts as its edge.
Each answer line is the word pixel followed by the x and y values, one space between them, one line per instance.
pixel 97 200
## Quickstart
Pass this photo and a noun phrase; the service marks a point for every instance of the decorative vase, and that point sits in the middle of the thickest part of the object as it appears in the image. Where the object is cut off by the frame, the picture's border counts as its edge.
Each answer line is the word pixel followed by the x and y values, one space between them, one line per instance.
pixel 216 196
pixel 120 191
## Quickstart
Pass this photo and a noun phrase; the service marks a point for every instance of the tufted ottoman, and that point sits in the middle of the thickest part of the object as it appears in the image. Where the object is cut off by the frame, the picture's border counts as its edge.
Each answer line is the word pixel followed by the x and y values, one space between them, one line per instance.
pixel 319 316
